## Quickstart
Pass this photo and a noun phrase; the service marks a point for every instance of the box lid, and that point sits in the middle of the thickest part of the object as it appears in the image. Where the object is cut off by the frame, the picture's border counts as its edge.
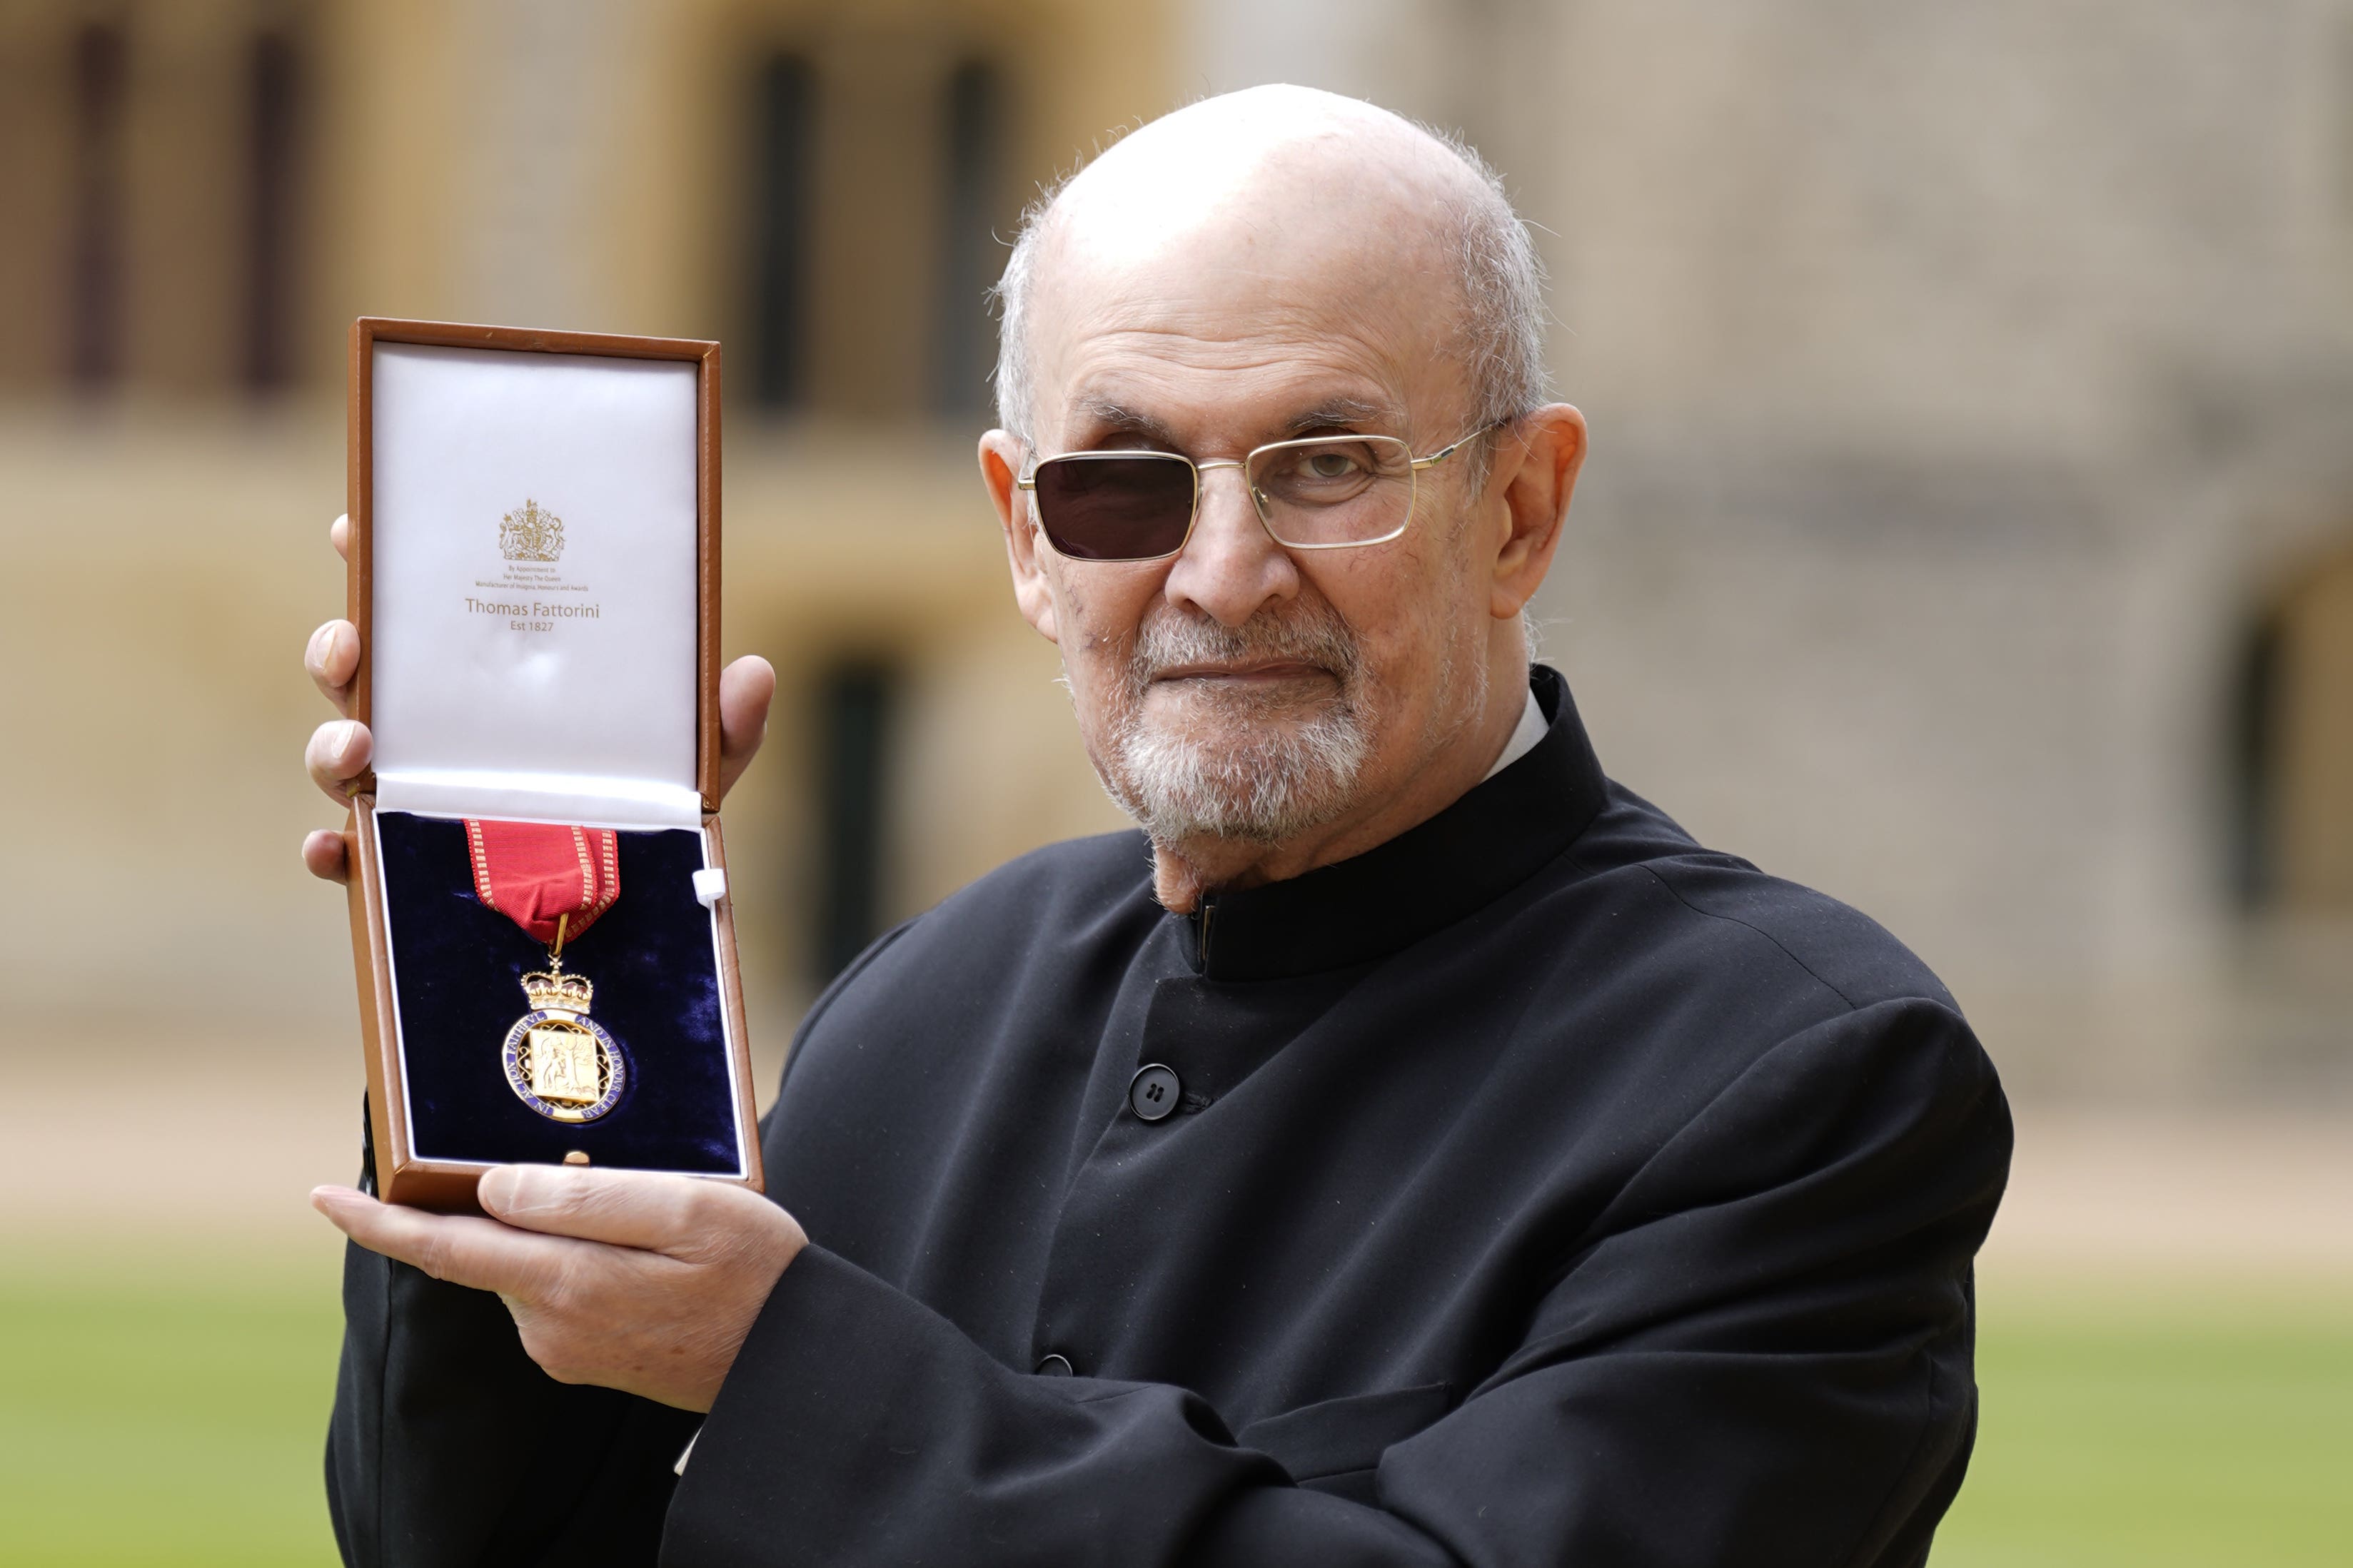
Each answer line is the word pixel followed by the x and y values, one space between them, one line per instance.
pixel 535 570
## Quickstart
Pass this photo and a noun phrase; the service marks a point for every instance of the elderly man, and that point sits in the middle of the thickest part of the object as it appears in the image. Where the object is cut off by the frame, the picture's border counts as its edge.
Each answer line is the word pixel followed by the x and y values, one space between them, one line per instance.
pixel 1411 1149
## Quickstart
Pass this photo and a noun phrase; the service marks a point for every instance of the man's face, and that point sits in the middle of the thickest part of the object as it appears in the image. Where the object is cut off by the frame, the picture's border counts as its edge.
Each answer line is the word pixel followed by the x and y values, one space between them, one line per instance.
pixel 1241 690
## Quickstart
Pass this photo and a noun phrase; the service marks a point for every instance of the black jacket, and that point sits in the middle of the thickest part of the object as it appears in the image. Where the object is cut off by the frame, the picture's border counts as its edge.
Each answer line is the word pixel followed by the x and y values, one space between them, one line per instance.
pixel 1542 1189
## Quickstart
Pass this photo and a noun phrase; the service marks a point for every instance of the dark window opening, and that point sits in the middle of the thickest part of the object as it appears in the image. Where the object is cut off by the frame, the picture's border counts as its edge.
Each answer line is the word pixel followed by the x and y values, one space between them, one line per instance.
pixel 274 88
pixel 784 201
pixel 2254 724
pixel 970 255
pixel 2293 748
pixel 94 314
pixel 854 709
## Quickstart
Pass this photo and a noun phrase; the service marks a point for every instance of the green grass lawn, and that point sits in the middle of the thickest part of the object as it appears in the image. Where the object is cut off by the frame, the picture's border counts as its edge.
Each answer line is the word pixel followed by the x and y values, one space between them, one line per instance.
pixel 173 1420
pixel 178 1421
pixel 2137 1427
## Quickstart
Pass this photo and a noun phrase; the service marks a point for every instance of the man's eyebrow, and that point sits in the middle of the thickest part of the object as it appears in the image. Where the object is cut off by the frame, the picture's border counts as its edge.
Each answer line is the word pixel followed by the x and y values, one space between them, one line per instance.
pixel 1336 413
pixel 1109 418
pixel 1118 418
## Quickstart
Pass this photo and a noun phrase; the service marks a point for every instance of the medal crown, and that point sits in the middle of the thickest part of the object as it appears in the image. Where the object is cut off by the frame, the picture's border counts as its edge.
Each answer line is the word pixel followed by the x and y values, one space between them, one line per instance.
pixel 557 993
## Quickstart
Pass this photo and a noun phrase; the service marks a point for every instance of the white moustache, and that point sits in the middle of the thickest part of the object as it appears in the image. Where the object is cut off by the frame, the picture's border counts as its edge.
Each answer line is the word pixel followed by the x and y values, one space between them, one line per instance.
pixel 1314 637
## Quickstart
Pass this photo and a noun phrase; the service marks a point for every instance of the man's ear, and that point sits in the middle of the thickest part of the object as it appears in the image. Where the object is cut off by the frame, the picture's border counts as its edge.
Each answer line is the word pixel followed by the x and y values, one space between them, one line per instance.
pixel 1536 464
pixel 1000 466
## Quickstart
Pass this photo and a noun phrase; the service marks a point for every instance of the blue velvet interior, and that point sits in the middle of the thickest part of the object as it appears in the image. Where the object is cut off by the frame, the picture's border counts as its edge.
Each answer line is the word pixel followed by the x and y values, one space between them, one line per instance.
pixel 459 968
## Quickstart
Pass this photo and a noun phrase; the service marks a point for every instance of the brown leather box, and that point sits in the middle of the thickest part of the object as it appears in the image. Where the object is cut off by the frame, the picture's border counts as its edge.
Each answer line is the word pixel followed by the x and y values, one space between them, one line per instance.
pixel 535 574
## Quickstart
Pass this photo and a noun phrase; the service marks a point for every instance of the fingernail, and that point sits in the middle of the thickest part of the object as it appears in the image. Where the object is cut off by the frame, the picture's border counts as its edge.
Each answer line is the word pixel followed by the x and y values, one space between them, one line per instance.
pixel 321 643
pixel 343 733
pixel 495 1191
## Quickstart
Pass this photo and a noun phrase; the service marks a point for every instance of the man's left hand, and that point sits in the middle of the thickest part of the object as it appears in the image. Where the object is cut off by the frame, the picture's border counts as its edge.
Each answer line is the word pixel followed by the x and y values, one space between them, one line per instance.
pixel 629 1280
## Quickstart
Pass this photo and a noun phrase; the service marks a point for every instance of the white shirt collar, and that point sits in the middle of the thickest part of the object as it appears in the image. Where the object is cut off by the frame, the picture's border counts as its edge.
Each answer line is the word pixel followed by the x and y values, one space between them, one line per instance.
pixel 1531 729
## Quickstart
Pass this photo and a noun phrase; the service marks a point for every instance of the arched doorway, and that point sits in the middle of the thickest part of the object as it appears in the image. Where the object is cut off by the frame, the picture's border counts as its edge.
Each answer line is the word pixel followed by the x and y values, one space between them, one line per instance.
pixel 2293 850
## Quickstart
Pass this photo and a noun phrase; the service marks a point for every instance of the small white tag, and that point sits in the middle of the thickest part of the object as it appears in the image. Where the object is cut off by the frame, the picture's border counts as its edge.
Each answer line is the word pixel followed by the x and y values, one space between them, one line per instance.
pixel 684 1454
pixel 710 887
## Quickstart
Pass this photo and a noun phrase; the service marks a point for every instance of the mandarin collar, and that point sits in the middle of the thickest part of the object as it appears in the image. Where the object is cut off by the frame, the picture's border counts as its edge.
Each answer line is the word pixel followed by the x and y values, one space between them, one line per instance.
pixel 1427 878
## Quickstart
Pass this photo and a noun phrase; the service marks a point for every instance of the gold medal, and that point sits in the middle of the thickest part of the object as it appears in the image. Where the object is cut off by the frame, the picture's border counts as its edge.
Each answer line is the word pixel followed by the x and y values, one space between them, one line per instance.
pixel 553 880
pixel 559 1060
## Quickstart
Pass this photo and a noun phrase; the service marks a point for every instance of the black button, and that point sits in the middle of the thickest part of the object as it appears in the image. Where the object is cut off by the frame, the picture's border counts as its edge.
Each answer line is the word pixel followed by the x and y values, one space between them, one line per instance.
pixel 1153 1093
pixel 1055 1366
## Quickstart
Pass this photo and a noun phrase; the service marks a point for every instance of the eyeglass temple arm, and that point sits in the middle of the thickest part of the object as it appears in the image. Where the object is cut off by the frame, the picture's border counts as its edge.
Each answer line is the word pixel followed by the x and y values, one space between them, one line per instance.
pixel 1455 446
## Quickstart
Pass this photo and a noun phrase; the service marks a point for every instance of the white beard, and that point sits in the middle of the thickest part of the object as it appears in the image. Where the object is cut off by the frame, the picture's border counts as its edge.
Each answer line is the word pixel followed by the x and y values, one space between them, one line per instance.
pixel 1250 768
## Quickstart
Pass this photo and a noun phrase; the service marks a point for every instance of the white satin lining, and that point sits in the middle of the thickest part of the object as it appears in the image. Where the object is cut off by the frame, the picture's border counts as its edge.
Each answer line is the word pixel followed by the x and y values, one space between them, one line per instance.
pixel 569 798
pixel 560 687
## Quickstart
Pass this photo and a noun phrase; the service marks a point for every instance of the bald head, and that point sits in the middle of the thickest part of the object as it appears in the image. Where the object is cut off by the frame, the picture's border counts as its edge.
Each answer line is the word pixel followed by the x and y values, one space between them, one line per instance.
pixel 1332 315
pixel 1282 198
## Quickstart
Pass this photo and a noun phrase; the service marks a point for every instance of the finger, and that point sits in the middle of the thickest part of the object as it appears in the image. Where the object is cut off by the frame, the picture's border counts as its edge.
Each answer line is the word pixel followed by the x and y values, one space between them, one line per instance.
pixel 332 657
pixel 745 688
pixel 644 1209
pixel 323 856
pixel 464 1250
pixel 338 752
pixel 338 534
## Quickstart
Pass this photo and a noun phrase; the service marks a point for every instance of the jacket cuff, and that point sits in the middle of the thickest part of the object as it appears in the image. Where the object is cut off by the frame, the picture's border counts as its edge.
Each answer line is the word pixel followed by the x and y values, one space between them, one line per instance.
pixel 860 1425
pixel 806 1414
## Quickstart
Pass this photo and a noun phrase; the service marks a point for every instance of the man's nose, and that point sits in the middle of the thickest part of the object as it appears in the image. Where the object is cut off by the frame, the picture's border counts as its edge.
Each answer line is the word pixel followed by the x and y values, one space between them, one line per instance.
pixel 1231 568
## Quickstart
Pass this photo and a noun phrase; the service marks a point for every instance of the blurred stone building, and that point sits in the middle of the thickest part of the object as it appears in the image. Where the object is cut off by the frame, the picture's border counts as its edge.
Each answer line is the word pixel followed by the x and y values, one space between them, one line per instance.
pixel 1969 530
pixel 1971 525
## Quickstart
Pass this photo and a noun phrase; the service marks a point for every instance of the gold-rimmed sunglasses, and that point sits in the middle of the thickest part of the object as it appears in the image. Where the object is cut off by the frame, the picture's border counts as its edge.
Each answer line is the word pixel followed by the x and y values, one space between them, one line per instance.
pixel 1319 492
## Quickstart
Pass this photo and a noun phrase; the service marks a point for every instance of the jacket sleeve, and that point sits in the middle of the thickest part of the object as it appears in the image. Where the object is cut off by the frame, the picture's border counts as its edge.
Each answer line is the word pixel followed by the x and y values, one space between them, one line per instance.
pixel 448 1446
pixel 1760 1352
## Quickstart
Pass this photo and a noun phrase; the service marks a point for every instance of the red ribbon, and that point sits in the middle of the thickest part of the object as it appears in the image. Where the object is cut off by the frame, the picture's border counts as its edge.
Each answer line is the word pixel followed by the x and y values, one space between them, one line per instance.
pixel 536 872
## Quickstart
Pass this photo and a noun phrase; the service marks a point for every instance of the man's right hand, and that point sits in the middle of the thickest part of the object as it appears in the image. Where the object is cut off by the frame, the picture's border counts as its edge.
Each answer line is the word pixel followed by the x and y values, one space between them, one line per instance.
pixel 341 748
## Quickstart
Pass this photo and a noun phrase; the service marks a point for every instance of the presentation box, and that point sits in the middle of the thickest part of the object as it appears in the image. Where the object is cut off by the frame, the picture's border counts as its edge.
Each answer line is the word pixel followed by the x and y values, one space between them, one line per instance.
pixel 535 574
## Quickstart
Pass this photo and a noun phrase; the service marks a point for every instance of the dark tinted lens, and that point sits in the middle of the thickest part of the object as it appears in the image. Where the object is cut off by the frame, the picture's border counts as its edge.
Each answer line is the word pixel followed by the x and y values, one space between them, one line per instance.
pixel 1116 508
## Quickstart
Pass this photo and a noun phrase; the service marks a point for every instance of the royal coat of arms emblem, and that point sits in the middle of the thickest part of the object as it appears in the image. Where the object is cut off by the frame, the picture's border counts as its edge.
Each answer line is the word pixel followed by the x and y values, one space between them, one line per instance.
pixel 531 533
